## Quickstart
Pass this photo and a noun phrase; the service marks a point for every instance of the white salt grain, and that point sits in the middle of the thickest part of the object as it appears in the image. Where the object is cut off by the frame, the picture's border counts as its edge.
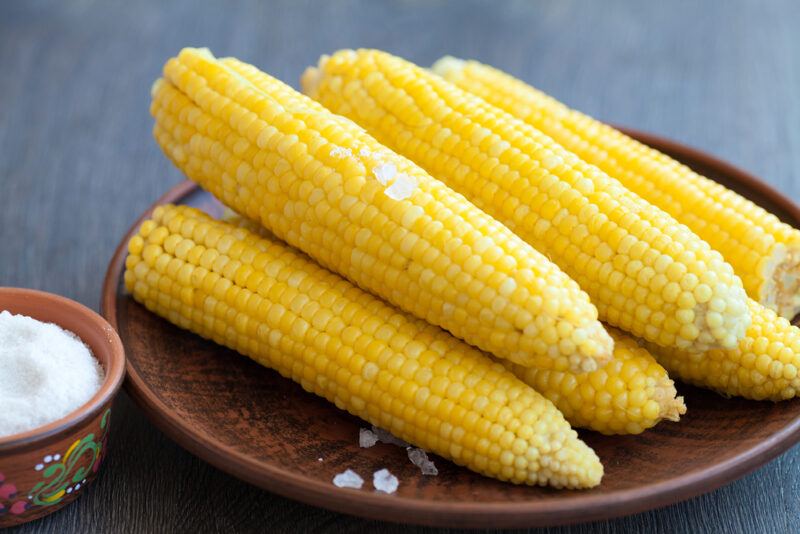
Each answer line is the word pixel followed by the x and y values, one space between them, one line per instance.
pixel 385 172
pixel 367 438
pixel 402 188
pixel 386 437
pixel 348 479
pixel 384 481
pixel 420 458
pixel 47 372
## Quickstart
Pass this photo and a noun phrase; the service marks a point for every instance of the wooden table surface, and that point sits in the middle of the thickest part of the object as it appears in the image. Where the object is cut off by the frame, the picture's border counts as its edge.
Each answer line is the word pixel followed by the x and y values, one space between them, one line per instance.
pixel 78 164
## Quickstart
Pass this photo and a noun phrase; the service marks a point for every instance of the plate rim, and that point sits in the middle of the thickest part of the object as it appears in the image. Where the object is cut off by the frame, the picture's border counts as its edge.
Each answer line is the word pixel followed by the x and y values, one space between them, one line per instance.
pixel 467 514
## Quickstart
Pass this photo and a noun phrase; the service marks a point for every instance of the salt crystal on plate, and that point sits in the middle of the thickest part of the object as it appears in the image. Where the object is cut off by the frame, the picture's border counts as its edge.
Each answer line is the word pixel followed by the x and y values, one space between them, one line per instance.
pixel 402 187
pixel 385 172
pixel 419 458
pixel 367 438
pixel 384 481
pixel 385 437
pixel 348 479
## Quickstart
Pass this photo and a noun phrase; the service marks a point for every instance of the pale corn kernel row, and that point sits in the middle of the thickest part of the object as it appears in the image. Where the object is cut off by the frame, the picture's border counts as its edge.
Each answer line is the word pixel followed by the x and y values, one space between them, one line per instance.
pixel 646 273
pixel 629 395
pixel 265 300
pixel 277 157
pixel 763 251
pixel 763 367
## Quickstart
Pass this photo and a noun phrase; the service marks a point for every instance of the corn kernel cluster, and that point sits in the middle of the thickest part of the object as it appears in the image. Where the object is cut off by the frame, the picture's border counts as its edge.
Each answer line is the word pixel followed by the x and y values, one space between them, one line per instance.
pixel 646 273
pixel 322 184
pixel 763 251
pixel 764 366
pixel 629 395
pixel 265 300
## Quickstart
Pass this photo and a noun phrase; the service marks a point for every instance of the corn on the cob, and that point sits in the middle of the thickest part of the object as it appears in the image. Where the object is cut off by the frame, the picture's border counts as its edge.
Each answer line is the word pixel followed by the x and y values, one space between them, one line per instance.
pixel 645 272
pixel 629 395
pixel 322 184
pixel 267 301
pixel 763 251
pixel 763 367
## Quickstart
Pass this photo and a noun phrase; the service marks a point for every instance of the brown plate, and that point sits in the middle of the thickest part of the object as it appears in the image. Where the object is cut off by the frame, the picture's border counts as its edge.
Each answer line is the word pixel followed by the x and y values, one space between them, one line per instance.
pixel 262 428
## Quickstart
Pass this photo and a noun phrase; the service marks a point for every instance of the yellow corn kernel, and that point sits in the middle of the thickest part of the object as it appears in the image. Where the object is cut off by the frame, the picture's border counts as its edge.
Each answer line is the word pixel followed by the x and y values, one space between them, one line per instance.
pixel 629 395
pixel 322 184
pixel 346 345
pixel 577 215
pixel 763 366
pixel 763 251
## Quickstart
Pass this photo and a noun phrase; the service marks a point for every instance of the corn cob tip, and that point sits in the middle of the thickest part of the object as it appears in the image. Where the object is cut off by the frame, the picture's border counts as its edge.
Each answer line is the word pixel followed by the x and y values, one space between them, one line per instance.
pixel 577 465
pixel 627 396
pixel 764 366
pixel 312 76
pixel 192 51
pixel 671 406
pixel 781 288
pixel 674 410
pixel 596 354
pixel 155 87
pixel 448 67
pixel 310 79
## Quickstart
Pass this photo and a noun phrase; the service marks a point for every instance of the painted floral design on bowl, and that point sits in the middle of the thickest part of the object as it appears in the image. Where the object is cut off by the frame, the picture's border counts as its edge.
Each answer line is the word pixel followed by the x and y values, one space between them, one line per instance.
pixel 63 474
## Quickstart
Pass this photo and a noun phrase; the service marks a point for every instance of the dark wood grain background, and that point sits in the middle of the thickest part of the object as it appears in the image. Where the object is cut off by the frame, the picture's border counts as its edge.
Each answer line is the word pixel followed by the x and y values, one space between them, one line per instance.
pixel 78 164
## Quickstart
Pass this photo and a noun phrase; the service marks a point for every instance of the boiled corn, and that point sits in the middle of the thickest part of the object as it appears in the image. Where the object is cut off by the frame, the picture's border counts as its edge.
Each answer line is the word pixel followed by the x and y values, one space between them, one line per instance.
pixel 763 251
pixel 629 395
pixel 645 272
pixel 322 184
pixel 763 367
pixel 270 302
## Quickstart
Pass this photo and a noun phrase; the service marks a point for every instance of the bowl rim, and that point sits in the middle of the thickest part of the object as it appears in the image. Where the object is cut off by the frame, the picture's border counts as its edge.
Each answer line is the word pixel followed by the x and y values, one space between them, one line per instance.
pixel 114 375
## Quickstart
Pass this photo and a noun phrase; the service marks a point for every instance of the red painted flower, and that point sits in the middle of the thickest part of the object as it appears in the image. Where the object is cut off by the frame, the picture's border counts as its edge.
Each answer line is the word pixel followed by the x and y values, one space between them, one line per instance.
pixel 19 507
pixel 7 490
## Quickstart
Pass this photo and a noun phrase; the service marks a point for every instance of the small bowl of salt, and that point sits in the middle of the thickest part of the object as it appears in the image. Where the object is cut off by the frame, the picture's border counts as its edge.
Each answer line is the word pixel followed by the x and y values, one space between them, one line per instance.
pixel 61 366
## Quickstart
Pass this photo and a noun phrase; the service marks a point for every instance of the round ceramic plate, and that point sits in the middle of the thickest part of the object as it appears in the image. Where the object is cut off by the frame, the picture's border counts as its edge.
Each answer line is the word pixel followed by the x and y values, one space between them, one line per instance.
pixel 262 428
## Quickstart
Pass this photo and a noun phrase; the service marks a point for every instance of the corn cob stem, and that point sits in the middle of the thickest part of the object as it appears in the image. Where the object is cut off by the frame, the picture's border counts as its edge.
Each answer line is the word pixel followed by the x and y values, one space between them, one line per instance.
pixel 763 367
pixel 629 395
pixel 265 300
pixel 763 251
pixel 322 184
pixel 646 273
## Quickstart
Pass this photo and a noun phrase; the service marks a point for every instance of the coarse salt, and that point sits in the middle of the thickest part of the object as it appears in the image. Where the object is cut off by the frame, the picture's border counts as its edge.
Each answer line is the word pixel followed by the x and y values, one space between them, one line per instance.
pixel 47 372
pixel 402 188
pixel 384 481
pixel 385 172
pixel 385 436
pixel 348 479
pixel 420 458
pixel 367 438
